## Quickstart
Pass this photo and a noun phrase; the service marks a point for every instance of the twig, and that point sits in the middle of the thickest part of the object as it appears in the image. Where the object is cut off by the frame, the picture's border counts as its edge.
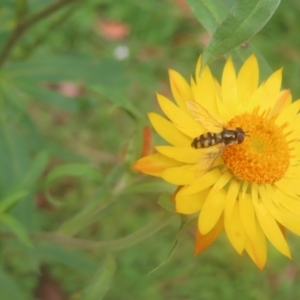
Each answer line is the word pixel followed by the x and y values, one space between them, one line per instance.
pixel 26 23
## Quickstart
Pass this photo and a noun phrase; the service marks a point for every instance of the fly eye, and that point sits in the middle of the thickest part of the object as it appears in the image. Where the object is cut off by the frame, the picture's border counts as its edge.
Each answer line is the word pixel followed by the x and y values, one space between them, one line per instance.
pixel 240 138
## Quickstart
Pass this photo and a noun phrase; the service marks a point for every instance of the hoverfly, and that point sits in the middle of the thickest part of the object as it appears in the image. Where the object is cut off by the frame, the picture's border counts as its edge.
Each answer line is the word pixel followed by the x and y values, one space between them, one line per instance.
pixel 213 136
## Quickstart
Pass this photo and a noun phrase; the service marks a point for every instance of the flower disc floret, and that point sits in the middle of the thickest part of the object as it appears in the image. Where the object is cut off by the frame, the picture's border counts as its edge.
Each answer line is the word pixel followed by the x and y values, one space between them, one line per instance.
pixel 264 156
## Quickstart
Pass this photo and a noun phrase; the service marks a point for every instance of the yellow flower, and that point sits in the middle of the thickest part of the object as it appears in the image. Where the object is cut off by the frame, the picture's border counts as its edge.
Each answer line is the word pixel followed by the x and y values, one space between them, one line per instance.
pixel 252 189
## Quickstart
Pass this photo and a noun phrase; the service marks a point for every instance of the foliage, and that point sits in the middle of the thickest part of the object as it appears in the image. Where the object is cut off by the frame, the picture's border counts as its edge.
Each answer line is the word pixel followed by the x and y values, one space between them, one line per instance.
pixel 71 209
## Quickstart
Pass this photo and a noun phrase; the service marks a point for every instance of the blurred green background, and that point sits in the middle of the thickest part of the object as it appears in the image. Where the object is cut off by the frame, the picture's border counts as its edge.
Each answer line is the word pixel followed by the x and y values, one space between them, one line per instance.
pixel 74 95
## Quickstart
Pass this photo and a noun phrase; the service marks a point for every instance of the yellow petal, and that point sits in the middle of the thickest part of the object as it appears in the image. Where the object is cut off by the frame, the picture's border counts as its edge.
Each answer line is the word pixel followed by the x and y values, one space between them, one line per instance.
pixel 284 100
pixel 198 67
pixel 180 119
pixel 204 90
pixel 290 220
pixel 218 88
pixel 207 92
pixel 247 80
pixel 204 241
pixel 189 204
pixel 229 88
pixel 254 192
pixel 210 105
pixel 183 154
pixel 245 185
pixel 168 131
pixel 222 181
pixel 235 230
pixel 180 175
pixel 293 172
pixel 288 114
pixel 290 203
pixel 203 182
pixel 267 196
pixel 271 228
pixel 289 186
pixel 231 197
pixel 211 211
pixel 155 164
pixel 271 89
pixel 254 100
pixel 295 160
pixel 181 90
pixel 256 247
pixel 296 125
pixel 248 215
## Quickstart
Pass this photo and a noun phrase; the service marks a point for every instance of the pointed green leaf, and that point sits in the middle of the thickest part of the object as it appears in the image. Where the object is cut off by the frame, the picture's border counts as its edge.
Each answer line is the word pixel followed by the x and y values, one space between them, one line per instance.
pixel 185 225
pixel 17 228
pixel 245 19
pixel 72 67
pixel 210 13
pixel 48 96
pixel 117 97
pixel 36 169
pixel 76 169
pixel 10 200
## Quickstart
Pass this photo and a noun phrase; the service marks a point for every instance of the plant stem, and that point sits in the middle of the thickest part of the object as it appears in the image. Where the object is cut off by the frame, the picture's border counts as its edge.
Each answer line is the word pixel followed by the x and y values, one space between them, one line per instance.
pixel 28 22
pixel 114 245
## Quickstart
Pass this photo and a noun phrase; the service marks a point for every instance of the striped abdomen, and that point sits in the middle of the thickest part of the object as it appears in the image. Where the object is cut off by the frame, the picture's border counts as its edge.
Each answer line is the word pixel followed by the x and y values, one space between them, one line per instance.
pixel 207 140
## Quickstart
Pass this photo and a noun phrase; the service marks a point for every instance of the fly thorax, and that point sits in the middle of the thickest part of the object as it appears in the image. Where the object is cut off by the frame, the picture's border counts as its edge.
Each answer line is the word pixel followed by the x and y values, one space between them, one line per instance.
pixel 229 136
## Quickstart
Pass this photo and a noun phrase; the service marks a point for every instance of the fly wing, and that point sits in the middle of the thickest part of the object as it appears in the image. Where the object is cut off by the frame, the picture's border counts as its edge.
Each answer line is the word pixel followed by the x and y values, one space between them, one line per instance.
pixel 201 115
pixel 208 160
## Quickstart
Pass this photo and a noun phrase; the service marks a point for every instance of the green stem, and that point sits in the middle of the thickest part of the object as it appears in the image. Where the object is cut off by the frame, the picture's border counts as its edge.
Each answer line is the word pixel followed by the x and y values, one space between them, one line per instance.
pixel 28 22
pixel 114 245
pixel 21 9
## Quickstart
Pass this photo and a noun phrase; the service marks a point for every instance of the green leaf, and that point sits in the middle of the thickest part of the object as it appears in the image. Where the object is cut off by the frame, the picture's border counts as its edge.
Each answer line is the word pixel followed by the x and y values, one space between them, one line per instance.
pixel 76 169
pixel 88 172
pixel 35 171
pixel 210 13
pixel 17 107
pixel 14 155
pixel 48 96
pixel 116 96
pixel 185 225
pixel 25 210
pixel 245 19
pixel 73 67
pixel 10 200
pixel 17 228
pixel 101 282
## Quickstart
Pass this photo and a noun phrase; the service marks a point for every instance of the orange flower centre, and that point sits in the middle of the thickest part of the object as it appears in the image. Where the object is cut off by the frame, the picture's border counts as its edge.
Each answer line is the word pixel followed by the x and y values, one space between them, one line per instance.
pixel 264 156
